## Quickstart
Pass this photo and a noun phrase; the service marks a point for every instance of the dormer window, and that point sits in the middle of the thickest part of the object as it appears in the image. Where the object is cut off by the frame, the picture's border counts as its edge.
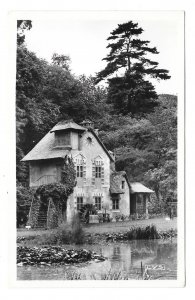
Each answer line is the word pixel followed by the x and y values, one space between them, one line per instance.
pixel 67 135
pixel 62 139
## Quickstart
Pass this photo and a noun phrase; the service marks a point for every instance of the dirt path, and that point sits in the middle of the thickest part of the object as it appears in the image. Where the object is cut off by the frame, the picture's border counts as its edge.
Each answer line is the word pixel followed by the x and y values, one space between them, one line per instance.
pixel 160 223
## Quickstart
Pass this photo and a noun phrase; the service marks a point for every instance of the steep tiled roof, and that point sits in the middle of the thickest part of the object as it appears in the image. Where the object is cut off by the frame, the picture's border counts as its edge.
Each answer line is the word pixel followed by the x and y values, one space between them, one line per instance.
pixel 64 125
pixel 115 182
pixel 137 187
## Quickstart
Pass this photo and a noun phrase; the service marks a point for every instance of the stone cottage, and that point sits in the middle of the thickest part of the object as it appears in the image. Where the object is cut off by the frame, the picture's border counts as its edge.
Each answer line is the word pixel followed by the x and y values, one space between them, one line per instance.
pixel 97 181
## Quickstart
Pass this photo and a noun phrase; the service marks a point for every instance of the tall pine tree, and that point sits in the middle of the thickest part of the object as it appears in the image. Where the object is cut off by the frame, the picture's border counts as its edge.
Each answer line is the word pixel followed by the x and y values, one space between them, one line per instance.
pixel 128 69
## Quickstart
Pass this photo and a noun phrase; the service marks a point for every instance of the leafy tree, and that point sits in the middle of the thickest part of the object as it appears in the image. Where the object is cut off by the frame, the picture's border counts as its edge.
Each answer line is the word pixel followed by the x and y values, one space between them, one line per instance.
pixel 131 91
pixel 22 26
pixel 24 198
pixel 61 61
pixel 34 113
pixel 45 94
pixel 162 177
pixel 146 147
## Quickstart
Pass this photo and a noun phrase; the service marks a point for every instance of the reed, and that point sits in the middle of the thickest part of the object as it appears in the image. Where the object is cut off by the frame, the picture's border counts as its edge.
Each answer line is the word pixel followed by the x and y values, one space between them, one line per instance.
pixel 142 233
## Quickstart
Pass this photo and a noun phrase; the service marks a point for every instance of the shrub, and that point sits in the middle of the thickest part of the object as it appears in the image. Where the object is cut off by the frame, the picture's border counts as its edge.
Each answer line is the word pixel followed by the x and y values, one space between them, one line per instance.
pixel 117 217
pixel 100 217
pixel 24 198
pixel 77 232
pixel 65 234
pixel 139 233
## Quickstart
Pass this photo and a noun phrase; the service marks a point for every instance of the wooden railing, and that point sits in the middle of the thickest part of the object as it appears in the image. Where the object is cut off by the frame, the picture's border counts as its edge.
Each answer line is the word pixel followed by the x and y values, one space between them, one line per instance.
pixel 46 179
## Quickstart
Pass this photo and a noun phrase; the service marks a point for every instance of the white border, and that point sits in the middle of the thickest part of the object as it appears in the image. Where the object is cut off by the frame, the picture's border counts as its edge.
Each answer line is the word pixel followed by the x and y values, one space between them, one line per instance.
pixel 12 255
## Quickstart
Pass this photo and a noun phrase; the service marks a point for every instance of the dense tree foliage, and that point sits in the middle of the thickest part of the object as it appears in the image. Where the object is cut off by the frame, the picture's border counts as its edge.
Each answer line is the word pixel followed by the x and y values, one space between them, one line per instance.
pixel 146 148
pixel 22 26
pixel 144 144
pixel 128 68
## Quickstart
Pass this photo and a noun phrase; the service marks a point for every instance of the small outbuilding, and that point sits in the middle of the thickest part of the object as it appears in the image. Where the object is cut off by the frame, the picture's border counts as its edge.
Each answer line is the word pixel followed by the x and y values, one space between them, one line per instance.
pixel 139 197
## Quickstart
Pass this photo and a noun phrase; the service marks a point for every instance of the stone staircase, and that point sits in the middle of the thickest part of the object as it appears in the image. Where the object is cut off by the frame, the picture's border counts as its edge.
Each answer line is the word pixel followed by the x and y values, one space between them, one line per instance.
pixel 42 216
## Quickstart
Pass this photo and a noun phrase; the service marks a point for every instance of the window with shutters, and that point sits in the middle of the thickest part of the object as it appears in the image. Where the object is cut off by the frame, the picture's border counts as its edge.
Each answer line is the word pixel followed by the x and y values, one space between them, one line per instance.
pixel 98 203
pixel 79 171
pixel 80 168
pixel 98 172
pixel 79 203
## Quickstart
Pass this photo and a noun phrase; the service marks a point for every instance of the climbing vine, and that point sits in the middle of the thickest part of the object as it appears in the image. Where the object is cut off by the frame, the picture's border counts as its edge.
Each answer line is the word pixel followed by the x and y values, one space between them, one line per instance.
pixel 60 191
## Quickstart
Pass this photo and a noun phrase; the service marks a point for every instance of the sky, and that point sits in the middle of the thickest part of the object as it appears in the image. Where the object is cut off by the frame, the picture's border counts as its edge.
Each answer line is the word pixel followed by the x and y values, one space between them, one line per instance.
pixel 83 36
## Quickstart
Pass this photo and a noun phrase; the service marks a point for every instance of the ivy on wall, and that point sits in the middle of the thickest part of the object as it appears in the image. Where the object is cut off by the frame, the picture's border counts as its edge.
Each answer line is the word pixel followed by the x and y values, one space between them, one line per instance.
pixel 60 191
pixel 57 193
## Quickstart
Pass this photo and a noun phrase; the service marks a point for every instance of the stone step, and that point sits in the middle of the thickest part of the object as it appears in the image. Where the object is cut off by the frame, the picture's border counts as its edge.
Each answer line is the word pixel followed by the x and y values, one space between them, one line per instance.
pixel 40 224
pixel 44 216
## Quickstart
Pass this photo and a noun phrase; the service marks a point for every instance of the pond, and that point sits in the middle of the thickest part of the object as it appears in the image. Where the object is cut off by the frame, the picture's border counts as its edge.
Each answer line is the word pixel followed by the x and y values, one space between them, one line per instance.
pixel 160 257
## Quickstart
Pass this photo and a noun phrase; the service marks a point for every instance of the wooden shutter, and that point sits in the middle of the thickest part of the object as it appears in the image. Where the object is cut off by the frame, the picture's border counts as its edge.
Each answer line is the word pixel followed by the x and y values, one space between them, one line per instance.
pixel 84 173
pixel 93 173
pixel 102 175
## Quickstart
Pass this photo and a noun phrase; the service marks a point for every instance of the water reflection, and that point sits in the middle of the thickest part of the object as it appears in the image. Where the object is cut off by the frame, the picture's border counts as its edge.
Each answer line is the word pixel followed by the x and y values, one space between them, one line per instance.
pixel 124 257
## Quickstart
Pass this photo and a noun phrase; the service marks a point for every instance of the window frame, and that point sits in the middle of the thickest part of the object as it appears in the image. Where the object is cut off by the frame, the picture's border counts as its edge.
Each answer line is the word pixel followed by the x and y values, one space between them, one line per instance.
pixel 62 139
pixel 123 184
pixel 79 202
pixel 98 172
pixel 115 204
pixel 98 202
pixel 79 171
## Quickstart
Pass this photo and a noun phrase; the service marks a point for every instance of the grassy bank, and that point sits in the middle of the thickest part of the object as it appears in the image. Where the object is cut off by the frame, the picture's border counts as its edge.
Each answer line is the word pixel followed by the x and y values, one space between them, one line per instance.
pixel 67 234
pixel 160 223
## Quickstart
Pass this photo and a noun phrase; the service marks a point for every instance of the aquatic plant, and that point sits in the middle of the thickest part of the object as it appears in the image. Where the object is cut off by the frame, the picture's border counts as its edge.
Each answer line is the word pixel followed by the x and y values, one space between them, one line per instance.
pixel 113 276
pixel 48 255
pixel 110 275
pixel 142 233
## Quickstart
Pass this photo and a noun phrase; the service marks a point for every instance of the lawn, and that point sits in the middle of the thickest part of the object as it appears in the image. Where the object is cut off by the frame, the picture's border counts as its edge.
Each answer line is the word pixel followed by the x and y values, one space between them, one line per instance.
pixel 160 223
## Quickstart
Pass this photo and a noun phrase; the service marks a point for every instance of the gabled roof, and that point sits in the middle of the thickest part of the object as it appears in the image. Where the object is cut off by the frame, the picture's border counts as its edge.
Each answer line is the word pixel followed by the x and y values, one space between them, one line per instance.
pixel 45 150
pixel 100 142
pixel 137 187
pixel 115 182
pixel 65 125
